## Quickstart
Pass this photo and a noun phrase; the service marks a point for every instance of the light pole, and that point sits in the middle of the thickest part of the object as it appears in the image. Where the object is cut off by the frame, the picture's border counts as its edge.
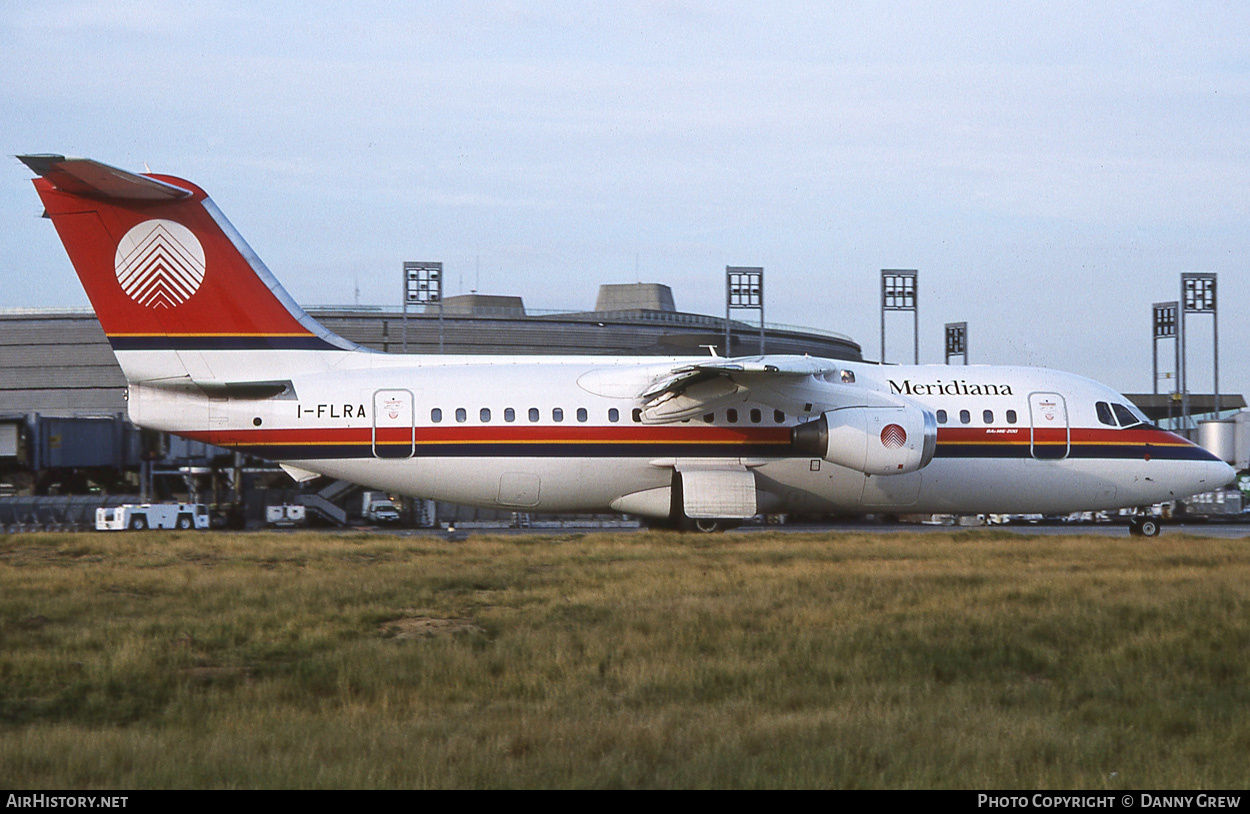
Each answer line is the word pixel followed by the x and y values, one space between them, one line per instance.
pixel 956 341
pixel 744 291
pixel 423 285
pixel 1198 297
pixel 899 288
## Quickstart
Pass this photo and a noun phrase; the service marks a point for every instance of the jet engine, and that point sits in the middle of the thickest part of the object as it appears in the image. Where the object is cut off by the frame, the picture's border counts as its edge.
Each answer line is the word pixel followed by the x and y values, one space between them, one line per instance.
pixel 872 440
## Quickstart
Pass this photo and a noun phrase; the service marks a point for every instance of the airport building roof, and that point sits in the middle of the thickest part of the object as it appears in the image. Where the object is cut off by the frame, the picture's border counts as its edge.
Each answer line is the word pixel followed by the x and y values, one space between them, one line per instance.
pixel 57 361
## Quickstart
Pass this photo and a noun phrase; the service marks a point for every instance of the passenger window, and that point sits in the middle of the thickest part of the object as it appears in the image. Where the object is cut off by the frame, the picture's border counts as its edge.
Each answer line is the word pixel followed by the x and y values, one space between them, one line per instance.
pixel 484 415
pixel 509 414
pixel 988 416
pixel 533 414
pixel 756 417
pixel 557 414
pixel 965 417
pixel 637 416
pixel 1104 413
pixel 779 417
pixel 614 415
pixel 461 415
pixel 708 418
pixel 436 415
pixel 581 414
pixel 731 415
pixel 1011 416
pixel 941 416
pixel 1127 419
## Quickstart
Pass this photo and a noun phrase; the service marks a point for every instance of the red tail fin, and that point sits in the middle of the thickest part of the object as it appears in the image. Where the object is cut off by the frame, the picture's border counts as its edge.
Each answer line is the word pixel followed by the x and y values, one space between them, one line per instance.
pixel 163 267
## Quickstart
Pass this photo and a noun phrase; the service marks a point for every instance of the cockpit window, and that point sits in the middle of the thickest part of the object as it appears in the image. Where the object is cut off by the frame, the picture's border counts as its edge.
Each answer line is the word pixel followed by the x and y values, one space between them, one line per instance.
pixel 1121 415
pixel 1126 416
pixel 1104 413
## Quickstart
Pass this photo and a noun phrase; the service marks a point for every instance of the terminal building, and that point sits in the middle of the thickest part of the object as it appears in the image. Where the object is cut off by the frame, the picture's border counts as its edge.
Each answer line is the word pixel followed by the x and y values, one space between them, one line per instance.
pixel 64 430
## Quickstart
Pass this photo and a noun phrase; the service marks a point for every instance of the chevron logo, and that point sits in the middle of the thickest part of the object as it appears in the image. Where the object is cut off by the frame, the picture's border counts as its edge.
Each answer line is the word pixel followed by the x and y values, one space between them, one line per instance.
pixel 159 264
pixel 893 436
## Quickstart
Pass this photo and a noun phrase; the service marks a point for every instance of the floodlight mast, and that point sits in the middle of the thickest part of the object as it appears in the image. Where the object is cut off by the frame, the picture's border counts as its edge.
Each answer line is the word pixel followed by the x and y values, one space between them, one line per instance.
pixel 744 291
pixel 899 292
pixel 423 285
pixel 1165 327
pixel 956 341
pixel 1198 296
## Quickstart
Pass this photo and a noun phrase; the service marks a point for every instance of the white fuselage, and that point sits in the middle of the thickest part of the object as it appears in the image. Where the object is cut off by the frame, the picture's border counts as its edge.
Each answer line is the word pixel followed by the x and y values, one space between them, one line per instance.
pixel 563 434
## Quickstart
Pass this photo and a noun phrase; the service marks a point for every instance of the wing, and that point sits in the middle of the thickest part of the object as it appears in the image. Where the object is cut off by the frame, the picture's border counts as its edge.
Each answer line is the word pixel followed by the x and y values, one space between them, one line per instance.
pixel 793 384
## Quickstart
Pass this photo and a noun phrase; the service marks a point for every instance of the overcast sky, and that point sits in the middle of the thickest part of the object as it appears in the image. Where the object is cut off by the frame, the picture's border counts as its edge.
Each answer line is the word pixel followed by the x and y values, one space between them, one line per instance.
pixel 1050 168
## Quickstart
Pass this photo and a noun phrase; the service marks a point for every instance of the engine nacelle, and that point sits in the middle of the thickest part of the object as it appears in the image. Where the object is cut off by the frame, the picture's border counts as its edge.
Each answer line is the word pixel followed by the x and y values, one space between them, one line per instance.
pixel 872 440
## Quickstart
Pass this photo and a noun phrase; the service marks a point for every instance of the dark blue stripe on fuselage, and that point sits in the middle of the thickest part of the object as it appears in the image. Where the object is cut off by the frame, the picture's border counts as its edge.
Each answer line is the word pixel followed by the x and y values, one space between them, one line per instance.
pixel 1113 452
pixel 665 450
pixel 219 343
pixel 504 450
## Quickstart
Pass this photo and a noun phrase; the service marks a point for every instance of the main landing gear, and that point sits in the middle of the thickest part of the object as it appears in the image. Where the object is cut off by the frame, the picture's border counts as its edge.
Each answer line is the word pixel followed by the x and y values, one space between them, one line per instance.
pixel 705 525
pixel 710 526
pixel 1144 526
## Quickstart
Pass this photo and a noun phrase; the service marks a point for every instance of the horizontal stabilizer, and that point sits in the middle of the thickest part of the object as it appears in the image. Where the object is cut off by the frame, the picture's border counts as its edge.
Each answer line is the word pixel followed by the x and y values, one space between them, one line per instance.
pixel 82 176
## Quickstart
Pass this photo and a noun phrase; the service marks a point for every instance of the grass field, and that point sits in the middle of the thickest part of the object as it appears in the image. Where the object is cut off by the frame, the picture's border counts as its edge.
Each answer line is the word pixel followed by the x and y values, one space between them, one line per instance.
pixel 970 660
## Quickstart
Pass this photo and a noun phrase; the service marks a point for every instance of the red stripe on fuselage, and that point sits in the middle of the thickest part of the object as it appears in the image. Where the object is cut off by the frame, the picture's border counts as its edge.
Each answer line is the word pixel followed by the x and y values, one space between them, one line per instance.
pixel 487 435
pixel 1077 435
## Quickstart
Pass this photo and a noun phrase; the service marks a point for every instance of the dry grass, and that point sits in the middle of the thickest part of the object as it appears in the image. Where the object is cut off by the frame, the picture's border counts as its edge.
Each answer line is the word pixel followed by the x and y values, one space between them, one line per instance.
pixel 971 660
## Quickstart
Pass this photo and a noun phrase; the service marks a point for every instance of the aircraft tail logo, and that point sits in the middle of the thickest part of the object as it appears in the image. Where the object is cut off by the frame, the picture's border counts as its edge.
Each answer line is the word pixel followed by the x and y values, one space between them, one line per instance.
pixel 160 263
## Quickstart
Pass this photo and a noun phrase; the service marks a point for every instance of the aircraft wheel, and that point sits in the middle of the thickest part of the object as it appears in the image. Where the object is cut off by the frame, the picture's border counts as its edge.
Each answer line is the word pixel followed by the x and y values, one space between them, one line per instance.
pixel 1149 527
pixel 138 523
pixel 712 526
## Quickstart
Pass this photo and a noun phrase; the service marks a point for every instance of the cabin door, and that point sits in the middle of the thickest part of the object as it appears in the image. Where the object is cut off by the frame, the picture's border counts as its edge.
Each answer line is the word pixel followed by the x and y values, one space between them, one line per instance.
pixel 394 432
pixel 1050 436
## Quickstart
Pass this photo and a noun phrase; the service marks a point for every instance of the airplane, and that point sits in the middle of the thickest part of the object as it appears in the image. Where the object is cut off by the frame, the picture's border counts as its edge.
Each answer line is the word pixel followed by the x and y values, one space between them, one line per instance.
pixel 214 349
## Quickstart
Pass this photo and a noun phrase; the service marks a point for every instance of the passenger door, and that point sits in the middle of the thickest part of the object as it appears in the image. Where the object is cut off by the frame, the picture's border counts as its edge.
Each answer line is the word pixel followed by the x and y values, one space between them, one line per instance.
pixel 1050 437
pixel 394 431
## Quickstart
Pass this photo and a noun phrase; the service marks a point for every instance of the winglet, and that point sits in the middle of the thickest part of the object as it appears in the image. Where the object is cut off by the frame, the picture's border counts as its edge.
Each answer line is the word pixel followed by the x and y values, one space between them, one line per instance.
pixel 82 176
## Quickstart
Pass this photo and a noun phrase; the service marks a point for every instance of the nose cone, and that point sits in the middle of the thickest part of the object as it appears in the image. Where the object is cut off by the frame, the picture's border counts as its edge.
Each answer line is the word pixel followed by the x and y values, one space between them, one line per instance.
pixel 1208 472
pixel 1225 475
pixel 1189 469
